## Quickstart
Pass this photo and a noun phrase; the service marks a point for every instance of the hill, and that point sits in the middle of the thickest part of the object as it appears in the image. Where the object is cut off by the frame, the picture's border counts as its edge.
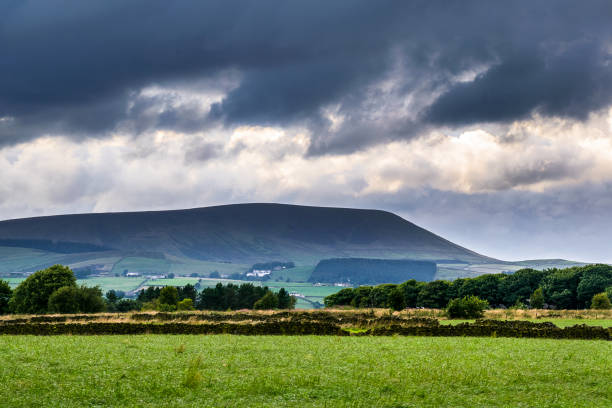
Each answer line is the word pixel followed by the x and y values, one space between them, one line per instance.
pixel 242 233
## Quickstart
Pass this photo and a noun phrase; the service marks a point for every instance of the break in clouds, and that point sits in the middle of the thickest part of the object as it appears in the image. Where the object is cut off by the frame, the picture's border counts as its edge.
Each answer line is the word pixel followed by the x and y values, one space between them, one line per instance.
pixel 489 123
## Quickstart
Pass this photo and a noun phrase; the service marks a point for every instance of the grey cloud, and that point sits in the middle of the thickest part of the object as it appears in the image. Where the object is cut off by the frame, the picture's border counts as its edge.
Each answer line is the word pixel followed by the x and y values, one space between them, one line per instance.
pixel 202 152
pixel 74 67
pixel 573 84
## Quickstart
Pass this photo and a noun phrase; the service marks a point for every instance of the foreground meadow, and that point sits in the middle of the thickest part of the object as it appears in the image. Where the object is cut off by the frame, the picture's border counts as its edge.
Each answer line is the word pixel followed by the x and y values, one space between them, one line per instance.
pixel 307 371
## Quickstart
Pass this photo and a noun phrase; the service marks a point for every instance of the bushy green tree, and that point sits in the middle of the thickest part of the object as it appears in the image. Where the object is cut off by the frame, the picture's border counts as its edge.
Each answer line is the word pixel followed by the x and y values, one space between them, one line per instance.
pixel 74 299
pixel 467 307
pixel 410 290
pixel 344 297
pixel 127 305
pixel 536 300
pixel 395 300
pixel 560 286
pixel 168 296
pixel 485 287
pixel 269 301
pixel 185 304
pixel 434 294
pixel 362 297
pixel 601 301
pixel 148 294
pixel 187 292
pixel 32 295
pixel 90 300
pixel 5 296
pixel 64 300
pixel 595 279
pixel 520 285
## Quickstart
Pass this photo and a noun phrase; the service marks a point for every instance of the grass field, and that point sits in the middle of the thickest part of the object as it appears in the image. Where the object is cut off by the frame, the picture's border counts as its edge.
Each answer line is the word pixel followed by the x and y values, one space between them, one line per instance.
pixel 295 274
pixel 279 371
pixel 116 283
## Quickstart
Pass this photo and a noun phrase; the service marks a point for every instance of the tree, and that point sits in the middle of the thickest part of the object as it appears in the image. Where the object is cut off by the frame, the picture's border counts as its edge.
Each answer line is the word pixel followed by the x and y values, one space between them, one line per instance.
pixel 485 287
pixel 380 294
pixel 560 285
pixel 395 300
pixel 168 296
pixel 595 279
pixel 149 294
pixel 520 285
pixel 410 290
pixel 187 292
pixel 127 305
pixel 342 298
pixel 185 304
pixel 90 299
pixel 601 301
pixel 269 301
pixel 32 295
pixel 434 294
pixel 536 300
pixel 73 299
pixel 362 297
pixel 64 300
pixel 111 296
pixel 5 296
pixel 285 301
pixel 467 307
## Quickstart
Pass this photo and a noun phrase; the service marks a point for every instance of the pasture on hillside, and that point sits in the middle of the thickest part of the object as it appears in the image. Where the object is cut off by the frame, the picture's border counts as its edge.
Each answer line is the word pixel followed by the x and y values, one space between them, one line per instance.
pixel 306 371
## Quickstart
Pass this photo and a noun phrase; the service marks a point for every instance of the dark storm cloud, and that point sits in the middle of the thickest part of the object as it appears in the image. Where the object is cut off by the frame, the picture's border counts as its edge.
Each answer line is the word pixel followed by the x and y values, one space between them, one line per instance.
pixel 572 84
pixel 76 68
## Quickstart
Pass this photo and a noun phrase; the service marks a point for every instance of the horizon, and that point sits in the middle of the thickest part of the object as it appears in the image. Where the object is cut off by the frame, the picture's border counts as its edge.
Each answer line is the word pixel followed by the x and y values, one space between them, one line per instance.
pixel 488 124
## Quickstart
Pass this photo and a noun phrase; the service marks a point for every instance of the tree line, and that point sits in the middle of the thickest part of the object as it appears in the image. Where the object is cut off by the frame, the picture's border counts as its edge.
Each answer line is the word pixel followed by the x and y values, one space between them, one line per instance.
pixel 55 290
pixel 570 288
pixel 366 271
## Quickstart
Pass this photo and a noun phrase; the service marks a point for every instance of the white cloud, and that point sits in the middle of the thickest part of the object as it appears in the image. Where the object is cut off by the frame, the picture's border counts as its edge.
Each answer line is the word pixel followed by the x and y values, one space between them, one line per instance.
pixel 532 159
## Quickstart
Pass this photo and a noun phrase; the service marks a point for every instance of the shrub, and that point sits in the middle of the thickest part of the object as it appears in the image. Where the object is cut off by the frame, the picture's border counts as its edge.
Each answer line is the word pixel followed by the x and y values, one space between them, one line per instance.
pixel 269 301
pixel 536 301
pixel 185 304
pixel 601 301
pixel 164 307
pixel 192 375
pixel 467 307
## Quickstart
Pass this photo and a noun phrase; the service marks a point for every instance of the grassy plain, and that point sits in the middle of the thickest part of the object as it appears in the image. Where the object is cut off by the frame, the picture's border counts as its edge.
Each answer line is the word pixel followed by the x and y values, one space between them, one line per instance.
pixel 309 371
pixel 116 283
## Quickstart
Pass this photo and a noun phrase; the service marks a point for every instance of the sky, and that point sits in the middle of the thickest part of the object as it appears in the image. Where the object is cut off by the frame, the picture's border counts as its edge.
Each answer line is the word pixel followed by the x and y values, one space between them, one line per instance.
pixel 488 123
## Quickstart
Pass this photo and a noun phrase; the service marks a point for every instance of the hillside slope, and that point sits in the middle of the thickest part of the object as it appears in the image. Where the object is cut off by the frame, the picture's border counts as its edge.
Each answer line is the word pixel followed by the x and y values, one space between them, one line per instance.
pixel 241 233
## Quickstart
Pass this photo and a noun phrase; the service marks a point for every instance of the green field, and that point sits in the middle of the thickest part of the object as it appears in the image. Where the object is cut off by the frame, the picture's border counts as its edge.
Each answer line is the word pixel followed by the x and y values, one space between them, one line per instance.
pixel 310 371
pixel 115 283
pixel 295 274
